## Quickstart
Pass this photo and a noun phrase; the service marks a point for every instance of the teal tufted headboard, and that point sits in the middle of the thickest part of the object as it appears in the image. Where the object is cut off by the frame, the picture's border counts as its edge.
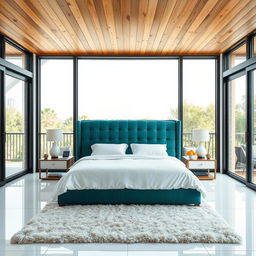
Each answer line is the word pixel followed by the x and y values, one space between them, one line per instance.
pixel 128 131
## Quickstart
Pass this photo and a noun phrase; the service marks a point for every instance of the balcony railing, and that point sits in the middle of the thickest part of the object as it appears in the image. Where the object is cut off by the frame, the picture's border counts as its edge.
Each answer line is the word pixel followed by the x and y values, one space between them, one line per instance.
pixel 45 146
pixel 15 144
pixel 210 145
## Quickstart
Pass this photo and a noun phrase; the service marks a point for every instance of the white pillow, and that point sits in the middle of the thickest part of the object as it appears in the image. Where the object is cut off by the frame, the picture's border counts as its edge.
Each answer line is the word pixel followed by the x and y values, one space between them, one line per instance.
pixel 108 149
pixel 149 149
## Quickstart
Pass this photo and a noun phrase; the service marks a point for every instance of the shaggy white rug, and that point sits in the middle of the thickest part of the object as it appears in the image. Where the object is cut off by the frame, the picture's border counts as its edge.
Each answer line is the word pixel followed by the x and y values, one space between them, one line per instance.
pixel 126 224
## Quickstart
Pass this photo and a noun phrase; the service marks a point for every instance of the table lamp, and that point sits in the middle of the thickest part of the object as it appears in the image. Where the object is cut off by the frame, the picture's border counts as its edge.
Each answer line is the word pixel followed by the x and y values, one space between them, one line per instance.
pixel 54 135
pixel 200 136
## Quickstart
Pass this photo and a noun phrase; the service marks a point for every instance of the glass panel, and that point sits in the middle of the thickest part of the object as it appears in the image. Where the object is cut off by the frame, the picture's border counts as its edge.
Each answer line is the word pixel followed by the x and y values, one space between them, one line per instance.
pixel 237 126
pixel 254 129
pixel 128 89
pixel 15 56
pixel 238 56
pixel 56 100
pixel 14 125
pixel 199 100
pixel 254 45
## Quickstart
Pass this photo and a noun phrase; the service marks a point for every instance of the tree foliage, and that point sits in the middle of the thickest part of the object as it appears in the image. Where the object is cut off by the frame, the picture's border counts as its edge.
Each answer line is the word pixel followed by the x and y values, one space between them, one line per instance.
pixel 49 119
pixel 197 117
pixel 193 116
pixel 14 120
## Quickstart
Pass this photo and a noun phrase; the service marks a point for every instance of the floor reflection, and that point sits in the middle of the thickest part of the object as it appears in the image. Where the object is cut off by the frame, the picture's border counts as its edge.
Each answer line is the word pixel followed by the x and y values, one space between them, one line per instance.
pixel 21 199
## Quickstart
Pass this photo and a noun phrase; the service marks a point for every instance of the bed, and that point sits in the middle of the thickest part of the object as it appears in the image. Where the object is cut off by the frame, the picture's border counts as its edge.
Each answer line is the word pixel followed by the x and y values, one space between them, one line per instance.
pixel 125 131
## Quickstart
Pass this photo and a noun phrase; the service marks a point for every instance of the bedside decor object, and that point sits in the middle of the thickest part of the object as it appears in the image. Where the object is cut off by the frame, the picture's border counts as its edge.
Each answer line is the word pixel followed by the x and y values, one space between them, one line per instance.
pixel 54 135
pixel 191 154
pixel 45 156
pixel 200 136
pixel 65 154
pixel 65 148
pixel 57 166
pixel 186 149
pixel 208 156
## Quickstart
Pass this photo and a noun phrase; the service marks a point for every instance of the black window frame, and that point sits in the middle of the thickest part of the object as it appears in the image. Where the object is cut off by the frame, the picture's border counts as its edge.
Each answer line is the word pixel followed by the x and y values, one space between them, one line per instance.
pixel 38 99
pixel 180 90
pixel 230 74
pixel 25 74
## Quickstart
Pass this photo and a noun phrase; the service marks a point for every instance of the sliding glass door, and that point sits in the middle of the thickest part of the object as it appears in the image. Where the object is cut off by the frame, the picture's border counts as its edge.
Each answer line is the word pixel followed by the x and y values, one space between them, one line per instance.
pixel 239 111
pixel 253 80
pixel 237 126
pixel 15 132
pixel 16 111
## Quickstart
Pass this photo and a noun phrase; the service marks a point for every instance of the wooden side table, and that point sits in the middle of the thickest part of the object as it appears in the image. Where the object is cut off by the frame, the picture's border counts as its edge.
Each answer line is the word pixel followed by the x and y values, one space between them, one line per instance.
pixel 201 164
pixel 57 164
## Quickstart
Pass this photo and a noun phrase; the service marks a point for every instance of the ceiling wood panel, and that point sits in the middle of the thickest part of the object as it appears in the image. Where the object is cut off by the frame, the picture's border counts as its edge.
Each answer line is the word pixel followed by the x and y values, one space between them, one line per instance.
pixel 127 27
pixel 220 21
pixel 229 33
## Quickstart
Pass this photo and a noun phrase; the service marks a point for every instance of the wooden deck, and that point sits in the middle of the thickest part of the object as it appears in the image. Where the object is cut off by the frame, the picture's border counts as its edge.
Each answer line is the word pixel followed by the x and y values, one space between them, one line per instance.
pixel 243 174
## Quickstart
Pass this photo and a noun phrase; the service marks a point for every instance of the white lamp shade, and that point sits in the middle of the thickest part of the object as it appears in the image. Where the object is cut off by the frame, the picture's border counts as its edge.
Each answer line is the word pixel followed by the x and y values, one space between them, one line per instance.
pixel 200 135
pixel 54 135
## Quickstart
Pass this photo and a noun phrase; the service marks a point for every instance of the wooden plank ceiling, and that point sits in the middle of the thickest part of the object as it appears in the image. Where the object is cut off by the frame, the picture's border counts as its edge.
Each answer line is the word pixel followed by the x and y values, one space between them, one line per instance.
pixel 127 27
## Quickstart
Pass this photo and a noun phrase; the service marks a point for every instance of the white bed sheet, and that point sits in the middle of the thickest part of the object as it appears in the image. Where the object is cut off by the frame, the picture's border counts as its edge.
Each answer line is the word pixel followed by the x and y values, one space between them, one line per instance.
pixel 129 171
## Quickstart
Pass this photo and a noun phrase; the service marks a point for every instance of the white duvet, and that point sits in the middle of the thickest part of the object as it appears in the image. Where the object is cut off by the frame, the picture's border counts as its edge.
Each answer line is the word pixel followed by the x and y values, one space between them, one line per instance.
pixel 128 171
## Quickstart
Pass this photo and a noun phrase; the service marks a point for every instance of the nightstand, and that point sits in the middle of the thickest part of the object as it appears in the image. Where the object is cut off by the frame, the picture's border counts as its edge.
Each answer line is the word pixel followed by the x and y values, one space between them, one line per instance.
pixel 201 164
pixel 56 164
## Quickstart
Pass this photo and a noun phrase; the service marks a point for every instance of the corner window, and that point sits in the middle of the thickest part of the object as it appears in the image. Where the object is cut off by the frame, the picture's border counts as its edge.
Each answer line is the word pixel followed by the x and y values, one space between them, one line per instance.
pixel 237 126
pixel 237 56
pixel 15 56
pixel 254 46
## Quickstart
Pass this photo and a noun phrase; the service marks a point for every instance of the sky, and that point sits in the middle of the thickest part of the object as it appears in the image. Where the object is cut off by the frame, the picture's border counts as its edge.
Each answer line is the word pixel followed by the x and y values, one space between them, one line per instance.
pixel 126 89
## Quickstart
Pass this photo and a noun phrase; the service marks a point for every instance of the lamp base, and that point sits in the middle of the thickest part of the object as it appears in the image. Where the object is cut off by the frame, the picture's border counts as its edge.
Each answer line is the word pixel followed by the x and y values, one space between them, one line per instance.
pixel 55 150
pixel 201 151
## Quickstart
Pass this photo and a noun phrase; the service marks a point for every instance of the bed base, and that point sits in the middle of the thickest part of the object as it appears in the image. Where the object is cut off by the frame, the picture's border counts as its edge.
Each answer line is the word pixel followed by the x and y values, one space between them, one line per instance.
pixel 130 196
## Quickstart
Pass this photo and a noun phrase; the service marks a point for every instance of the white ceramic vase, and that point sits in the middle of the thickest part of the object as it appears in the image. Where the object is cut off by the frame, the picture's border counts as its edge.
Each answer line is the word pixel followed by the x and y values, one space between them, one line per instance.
pixel 55 150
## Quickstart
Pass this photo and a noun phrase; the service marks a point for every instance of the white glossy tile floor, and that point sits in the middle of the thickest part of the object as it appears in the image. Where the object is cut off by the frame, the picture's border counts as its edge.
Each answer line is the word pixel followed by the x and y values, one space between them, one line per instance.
pixel 21 199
